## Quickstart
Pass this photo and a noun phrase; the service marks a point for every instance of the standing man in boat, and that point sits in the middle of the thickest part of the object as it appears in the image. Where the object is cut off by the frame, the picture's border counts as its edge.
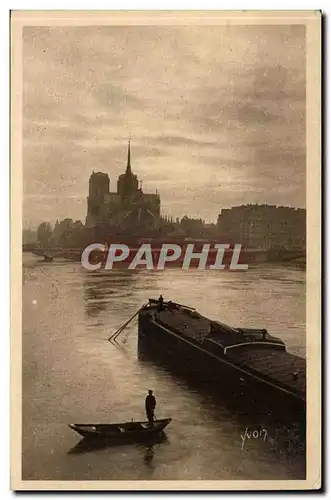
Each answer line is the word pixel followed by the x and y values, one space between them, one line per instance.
pixel 150 404
pixel 160 303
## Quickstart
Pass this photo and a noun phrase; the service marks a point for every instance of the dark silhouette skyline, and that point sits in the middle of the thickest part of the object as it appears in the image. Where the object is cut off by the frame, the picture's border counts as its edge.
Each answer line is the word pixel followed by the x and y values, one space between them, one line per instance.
pixel 216 115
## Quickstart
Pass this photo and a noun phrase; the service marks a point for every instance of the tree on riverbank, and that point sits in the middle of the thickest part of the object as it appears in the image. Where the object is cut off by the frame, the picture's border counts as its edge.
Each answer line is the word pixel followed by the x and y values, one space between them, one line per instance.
pixel 69 234
pixel 44 234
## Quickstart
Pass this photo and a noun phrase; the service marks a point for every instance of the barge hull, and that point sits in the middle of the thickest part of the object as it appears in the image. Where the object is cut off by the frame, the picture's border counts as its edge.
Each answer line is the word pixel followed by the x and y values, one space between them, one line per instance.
pixel 195 363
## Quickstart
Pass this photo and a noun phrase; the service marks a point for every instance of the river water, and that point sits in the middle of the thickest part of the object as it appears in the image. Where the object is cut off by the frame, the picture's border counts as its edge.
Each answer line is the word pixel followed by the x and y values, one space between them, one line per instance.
pixel 72 374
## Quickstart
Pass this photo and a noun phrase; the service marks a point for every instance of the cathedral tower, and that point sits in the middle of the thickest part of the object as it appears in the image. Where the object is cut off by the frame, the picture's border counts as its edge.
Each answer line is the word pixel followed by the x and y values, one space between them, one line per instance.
pixel 127 184
pixel 98 190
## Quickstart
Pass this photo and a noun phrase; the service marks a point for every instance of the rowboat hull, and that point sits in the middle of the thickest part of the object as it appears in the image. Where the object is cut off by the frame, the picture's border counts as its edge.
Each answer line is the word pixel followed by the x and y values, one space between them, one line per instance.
pixel 126 432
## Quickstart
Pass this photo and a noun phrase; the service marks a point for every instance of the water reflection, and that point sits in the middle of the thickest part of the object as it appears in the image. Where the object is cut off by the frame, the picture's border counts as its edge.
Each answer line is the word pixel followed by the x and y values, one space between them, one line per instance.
pixel 147 446
pixel 151 447
pixel 72 371
pixel 149 455
pixel 101 288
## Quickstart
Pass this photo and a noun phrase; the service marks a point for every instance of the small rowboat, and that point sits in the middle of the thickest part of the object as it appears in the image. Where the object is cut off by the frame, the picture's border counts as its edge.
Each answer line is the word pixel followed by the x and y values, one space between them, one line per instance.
pixel 48 258
pixel 128 431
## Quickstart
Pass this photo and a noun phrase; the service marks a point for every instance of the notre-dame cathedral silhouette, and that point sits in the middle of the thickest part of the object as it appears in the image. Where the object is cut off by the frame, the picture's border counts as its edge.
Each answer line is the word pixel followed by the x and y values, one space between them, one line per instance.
pixel 128 208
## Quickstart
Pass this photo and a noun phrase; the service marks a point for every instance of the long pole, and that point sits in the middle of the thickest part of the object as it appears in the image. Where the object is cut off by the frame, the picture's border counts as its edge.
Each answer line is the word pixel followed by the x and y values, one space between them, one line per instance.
pixel 116 334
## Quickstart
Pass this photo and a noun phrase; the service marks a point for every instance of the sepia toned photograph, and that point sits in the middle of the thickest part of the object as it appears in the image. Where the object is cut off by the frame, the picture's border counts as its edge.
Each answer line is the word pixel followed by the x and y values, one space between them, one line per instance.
pixel 165 213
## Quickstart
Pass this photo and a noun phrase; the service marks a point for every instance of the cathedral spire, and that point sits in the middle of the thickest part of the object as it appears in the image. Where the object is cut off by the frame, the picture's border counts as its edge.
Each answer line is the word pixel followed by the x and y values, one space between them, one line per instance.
pixel 128 164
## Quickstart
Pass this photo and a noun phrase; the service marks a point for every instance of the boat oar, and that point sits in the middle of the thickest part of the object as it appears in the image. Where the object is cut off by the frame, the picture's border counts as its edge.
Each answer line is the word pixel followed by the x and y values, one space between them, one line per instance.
pixel 116 334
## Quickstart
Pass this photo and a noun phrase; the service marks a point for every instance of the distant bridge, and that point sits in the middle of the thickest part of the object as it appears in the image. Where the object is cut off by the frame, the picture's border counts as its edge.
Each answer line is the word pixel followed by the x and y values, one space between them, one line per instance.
pixel 252 254
pixel 64 253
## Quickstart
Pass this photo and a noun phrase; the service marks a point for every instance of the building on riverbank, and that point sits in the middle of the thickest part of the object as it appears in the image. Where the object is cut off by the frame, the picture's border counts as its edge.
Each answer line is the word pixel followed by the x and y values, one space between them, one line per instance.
pixel 264 226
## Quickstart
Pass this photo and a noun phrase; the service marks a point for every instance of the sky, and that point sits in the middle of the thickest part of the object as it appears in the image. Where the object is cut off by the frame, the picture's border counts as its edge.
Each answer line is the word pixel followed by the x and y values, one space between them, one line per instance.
pixel 216 116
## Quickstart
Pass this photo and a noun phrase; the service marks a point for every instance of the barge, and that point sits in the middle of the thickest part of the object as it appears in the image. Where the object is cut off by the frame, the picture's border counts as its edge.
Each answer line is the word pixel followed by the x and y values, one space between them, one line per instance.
pixel 249 363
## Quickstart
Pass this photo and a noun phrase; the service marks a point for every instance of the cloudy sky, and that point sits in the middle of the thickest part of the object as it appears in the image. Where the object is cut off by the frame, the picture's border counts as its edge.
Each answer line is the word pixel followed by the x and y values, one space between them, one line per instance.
pixel 216 115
